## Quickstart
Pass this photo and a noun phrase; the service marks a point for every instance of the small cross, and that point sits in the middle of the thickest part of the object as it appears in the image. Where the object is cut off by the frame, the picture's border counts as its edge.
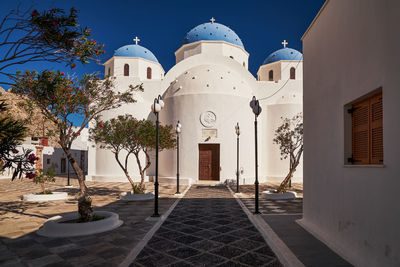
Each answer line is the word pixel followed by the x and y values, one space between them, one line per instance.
pixel 212 20
pixel 136 40
pixel 284 43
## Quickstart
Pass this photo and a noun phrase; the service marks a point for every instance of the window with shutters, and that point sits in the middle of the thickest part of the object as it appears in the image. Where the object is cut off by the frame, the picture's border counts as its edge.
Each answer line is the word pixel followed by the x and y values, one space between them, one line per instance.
pixel 367 131
pixel 126 70
pixel 292 73
pixel 271 75
pixel 149 73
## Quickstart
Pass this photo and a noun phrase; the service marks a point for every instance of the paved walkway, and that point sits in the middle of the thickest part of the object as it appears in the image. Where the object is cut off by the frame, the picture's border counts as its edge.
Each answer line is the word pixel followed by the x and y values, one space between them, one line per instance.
pixel 309 250
pixel 281 216
pixel 207 228
pixel 21 246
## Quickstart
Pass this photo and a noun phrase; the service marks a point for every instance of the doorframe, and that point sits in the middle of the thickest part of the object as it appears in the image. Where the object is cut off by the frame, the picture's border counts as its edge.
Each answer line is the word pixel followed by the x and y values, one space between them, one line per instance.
pixel 218 158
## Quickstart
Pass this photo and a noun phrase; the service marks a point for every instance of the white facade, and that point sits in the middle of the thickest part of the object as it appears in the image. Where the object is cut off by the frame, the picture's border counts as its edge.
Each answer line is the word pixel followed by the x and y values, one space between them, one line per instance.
pixel 208 91
pixel 55 158
pixel 350 52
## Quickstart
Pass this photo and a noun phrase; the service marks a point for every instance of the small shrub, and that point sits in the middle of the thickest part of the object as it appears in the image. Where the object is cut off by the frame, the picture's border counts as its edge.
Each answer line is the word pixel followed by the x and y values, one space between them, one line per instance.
pixel 138 189
pixel 43 177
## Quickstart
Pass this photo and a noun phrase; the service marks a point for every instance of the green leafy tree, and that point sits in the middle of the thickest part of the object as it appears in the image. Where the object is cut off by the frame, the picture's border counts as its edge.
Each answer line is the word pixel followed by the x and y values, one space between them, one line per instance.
pixel 289 137
pixel 51 35
pixel 132 136
pixel 12 133
pixel 59 98
pixel 43 177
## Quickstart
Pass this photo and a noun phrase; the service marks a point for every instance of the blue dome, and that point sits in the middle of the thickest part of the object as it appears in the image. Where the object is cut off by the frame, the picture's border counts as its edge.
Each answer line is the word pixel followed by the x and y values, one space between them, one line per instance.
pixel 212 32
pixel 135 50
pixel 283 54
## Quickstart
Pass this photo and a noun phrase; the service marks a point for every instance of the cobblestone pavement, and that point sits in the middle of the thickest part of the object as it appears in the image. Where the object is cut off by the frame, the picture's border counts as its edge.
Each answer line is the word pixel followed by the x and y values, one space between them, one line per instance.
pixel 207 228
pixel 283 207
pixel 21 246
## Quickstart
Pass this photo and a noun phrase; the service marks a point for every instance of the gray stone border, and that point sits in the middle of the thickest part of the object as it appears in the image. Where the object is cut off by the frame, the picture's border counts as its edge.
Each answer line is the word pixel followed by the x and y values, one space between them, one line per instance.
pixel 138 248
pixel 284 254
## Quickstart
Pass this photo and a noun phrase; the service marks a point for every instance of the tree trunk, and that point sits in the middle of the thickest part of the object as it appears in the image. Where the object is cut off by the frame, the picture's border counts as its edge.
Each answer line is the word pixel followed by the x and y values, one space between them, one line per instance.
pixel 85 208
pixel 125 169
pixel 78 171
pixel 285 183
pixel 43 188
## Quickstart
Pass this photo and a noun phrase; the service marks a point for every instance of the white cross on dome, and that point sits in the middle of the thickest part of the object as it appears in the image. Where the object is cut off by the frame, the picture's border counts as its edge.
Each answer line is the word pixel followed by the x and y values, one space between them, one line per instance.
pixel 284 43
pixel 136 40
pixel 212 20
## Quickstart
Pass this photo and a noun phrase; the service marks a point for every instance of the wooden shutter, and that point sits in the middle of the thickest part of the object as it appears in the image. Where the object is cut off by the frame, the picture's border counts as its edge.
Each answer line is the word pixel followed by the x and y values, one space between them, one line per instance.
pixel 360 125
pixel 126 70
pixel 376 126
pixel 149 73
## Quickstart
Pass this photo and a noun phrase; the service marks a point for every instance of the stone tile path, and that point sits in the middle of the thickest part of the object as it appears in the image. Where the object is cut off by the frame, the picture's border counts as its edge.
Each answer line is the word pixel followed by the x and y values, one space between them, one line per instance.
pixel 294 206
pixel 281 216
pixel 21 246
pixel 309 250
pixel 207 228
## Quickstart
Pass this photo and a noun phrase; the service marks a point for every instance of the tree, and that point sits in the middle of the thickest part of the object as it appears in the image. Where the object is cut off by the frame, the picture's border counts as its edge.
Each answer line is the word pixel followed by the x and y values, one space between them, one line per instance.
pixel 133 136
pixel 12 133
pixel 43 177
pixel 289 137
pixel 59 97
pixel 51 35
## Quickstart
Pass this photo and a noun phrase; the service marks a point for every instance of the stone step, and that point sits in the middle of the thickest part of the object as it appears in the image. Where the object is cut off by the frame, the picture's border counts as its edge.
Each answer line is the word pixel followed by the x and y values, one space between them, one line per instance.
pixel 171 180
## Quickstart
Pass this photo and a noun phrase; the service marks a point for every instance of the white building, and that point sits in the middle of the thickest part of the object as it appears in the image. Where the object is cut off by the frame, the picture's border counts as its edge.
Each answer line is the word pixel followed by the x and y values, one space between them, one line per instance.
pixel 54 157
pixel 352 130
pixel 208 91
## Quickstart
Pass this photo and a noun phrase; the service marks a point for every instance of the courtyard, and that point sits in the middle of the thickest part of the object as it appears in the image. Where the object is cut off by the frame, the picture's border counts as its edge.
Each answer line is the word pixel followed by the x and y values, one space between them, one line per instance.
pixel 208 225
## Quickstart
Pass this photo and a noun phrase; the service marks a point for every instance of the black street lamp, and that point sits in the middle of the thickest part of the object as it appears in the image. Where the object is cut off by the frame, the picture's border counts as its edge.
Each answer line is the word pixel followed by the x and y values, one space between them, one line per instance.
pixel 237 130
pixel 255 105
pixel 158 104
pixel 178 131
pixel 68 181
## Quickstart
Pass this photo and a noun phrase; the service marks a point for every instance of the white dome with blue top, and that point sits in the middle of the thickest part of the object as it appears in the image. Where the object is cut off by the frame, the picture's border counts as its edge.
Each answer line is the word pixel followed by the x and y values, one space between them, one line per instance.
pixel 212 31
pixel 284 54
pixel 135 50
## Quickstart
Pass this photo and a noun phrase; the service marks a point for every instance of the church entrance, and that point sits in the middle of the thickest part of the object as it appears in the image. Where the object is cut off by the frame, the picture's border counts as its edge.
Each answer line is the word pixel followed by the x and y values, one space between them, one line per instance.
pixel 209 162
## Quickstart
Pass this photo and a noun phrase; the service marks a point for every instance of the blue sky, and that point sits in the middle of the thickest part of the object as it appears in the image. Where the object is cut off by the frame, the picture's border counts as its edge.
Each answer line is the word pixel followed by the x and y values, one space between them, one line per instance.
pixel 161 25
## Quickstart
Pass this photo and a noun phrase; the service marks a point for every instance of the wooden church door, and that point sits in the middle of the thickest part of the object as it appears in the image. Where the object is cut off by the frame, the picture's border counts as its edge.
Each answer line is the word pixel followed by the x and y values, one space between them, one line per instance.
pixel 209 162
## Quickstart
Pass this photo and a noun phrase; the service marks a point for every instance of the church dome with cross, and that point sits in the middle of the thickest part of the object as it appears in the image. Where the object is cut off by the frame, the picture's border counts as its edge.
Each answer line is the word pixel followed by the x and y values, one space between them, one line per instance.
pixel 285 53
pixel 212 31
pixel 135 50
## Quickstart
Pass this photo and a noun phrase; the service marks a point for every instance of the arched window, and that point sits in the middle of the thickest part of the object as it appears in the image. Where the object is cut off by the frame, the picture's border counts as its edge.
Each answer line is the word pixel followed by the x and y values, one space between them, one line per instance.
pixel 271 75
pixel 149 73
pixel 126 70
pixel 292 73
pixel 231 57
pixel 109 71
pixel 244 64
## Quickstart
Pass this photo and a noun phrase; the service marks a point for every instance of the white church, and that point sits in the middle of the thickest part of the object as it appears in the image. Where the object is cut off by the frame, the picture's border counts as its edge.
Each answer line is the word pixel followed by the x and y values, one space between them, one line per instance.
pixel 208 91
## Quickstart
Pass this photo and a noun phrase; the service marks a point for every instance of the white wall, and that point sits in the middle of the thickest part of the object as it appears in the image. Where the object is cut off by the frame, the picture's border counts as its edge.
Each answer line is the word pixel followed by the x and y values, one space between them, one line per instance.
pixel 216 48
pixel 350 51
pixel 137 68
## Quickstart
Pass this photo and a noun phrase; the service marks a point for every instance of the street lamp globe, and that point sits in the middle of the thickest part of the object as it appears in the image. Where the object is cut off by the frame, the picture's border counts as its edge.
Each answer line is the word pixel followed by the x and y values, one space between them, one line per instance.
pixel 237 129
pixel 160 101
pixel 178 128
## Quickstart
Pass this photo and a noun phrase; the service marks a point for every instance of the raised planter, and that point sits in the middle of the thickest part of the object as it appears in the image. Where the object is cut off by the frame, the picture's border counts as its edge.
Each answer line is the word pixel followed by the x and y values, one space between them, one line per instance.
pixel 129 196
pixel 54 227
pixel 277 196
pixel 45 197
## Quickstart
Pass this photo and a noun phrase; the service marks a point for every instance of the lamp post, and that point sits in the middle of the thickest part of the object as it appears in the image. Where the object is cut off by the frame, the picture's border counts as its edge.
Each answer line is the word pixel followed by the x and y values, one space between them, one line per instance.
pixel 68 183
pixel 237 130
pixel 158 104
pixel 255 105
pixel 178 131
